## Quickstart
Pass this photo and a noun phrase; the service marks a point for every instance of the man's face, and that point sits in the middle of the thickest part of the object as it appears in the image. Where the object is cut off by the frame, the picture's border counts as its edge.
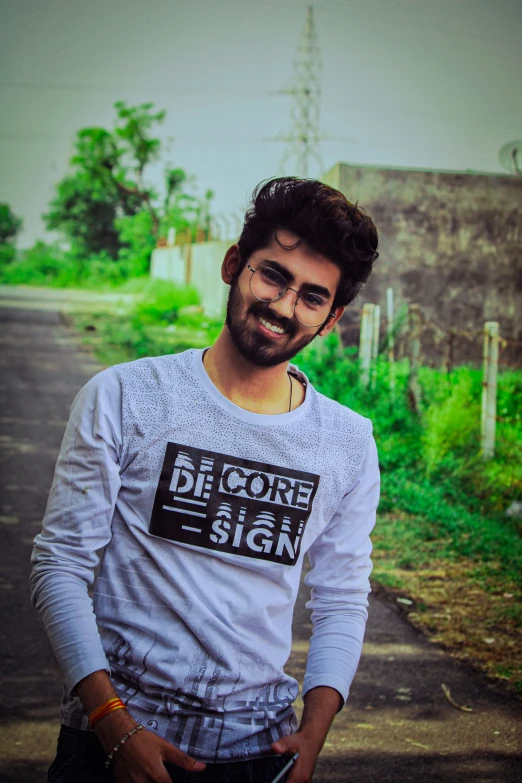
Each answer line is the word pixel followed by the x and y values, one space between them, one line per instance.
pixel 251 322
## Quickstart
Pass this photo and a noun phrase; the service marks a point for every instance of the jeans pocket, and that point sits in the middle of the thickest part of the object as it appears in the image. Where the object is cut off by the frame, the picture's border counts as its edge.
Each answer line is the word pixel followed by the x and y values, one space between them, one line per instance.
pixel 73 745
pixel 272 768
pixel 177 774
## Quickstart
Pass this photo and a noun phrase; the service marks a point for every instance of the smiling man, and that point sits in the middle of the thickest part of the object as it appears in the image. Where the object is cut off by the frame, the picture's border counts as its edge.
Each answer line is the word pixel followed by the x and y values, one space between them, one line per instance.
pixel 205 478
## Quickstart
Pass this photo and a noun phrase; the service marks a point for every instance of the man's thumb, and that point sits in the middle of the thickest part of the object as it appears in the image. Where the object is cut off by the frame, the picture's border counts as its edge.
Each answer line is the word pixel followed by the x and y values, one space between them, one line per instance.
pixel 283 745
pixel 171 753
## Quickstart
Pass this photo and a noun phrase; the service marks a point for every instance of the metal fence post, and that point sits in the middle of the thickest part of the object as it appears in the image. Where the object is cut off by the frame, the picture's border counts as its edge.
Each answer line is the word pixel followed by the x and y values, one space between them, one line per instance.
pixel 489 389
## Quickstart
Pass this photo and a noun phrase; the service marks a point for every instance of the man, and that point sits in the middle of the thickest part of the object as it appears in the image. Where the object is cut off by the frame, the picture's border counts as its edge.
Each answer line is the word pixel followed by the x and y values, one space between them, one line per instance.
pixel 204 478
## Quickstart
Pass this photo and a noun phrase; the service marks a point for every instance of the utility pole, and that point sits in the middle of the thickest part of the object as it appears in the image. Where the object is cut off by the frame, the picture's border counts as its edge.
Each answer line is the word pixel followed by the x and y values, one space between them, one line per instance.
pixel 304 133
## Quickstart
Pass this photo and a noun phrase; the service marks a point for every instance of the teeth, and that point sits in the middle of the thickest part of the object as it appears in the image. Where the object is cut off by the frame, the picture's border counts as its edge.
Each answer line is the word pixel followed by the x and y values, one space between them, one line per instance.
pixel 268 325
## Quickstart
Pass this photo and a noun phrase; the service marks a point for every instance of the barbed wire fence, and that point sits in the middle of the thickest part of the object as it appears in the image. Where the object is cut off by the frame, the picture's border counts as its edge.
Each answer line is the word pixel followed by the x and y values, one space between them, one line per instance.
pixel 408 334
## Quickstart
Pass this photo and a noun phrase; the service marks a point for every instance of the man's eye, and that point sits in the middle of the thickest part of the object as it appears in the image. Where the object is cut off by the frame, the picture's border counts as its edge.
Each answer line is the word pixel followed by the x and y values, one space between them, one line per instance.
pixel 273 277
pixel 313 300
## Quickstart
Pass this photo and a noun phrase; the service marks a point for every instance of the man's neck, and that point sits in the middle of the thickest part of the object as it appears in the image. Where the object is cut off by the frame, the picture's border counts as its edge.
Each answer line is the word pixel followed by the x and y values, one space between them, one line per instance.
pixel 258 389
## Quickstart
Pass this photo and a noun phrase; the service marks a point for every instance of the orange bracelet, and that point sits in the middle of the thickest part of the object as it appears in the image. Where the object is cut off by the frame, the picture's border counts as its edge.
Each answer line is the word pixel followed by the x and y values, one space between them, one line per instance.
pixel 104 709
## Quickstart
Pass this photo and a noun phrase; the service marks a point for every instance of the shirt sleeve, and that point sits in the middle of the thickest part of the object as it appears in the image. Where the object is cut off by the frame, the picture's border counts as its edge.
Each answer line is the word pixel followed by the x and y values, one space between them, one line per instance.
pixel 77 526
pixel 339 581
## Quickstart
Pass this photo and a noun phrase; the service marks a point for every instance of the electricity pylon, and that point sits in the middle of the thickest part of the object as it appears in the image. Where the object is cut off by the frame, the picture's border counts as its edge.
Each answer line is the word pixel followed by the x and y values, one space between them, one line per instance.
pixel 304 133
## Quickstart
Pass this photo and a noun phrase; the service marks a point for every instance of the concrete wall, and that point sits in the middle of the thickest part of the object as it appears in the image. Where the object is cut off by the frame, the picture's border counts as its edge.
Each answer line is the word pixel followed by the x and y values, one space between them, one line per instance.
pixel 198 265
pixel 167 263
pixel 450 242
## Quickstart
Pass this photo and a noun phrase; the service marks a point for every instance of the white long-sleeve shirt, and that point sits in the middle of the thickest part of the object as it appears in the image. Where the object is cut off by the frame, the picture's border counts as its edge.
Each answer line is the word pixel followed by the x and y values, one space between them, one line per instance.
pixel 194 515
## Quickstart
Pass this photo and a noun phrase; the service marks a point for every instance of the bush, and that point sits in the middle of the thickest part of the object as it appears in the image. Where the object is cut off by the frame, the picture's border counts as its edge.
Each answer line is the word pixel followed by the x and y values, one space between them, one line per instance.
pixel 49 265
pixel 136 232
pixel 441 447
pixel 335 371
pixel 451 425
pixel 161 302
pixel 7 256
pixel 40 265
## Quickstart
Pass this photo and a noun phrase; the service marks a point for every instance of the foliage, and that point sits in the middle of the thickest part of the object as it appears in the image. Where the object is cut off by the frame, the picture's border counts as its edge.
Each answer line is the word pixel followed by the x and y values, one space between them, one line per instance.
pixel 443 444
pixel 93 195
pixel 165 319
pixel 134 127
pixel 40 265
pixel 50 265
pixel 161 303
pixel 137 243
pixel 104 206
pixel 10 225
pixel 449 425
pixel 7 255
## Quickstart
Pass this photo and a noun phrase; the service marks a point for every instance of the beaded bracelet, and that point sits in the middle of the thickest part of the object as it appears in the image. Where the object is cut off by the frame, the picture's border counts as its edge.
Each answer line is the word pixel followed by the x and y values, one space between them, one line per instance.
pixel 120 743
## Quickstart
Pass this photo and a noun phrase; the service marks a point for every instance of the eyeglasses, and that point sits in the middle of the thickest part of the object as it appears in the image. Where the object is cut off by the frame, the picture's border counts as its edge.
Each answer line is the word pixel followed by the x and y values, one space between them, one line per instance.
pixel 268 285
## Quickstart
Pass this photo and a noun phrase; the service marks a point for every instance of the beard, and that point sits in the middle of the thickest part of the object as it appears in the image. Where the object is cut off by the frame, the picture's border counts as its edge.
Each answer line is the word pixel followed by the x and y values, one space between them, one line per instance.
pixel 256 347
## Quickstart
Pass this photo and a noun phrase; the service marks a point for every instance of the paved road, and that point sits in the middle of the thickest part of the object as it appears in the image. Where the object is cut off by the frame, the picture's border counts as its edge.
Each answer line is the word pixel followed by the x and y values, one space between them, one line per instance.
pixel 398 726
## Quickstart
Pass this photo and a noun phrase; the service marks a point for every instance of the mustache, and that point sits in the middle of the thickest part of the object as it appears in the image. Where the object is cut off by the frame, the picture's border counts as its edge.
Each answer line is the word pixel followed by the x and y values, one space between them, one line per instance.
pixel 288 324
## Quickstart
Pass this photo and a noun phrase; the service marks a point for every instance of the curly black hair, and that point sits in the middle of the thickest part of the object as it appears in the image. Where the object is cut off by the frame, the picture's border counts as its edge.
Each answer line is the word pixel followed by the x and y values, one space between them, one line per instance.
pixel 323 218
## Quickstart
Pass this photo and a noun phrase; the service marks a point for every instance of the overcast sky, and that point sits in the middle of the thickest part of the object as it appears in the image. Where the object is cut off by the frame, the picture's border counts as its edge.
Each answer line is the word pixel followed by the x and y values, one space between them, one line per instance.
pixel 415 83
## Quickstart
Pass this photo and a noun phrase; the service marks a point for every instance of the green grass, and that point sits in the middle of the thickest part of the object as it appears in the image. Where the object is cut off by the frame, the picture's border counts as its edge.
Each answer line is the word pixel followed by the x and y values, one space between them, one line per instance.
pixel 165 319
pixel 51 266
pixel 432 469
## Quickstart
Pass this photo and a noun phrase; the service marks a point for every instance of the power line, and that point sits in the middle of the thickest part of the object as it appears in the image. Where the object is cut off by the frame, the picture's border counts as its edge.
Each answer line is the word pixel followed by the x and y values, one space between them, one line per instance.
pixel 147 89
pixel 28 136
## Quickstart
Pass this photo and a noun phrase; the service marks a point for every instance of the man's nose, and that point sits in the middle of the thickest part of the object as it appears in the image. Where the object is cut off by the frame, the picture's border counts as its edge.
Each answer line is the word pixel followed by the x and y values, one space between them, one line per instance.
pixel 285 306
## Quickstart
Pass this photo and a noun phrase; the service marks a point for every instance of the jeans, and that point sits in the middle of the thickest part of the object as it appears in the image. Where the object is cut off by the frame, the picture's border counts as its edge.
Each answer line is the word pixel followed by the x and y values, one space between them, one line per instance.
pixel 80 758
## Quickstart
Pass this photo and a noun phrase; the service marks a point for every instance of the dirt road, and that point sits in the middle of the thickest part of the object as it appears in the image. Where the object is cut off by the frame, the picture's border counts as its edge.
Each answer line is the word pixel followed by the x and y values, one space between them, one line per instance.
pixel 398 725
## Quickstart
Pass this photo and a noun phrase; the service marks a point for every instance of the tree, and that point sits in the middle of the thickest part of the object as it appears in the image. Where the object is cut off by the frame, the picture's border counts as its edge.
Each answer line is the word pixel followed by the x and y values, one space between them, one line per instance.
pixel 104 203
pixel 174 179
pixel 107 182
pixel 10 225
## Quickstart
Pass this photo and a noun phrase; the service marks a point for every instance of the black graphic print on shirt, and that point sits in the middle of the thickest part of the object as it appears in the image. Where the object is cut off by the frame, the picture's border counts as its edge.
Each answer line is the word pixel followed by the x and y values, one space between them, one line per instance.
pixel 233 505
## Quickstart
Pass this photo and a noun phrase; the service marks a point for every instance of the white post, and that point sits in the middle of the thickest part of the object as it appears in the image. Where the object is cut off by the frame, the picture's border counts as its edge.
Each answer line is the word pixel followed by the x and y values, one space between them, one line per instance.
pixel 171 237
pixel 376 331
pixel 376 327
pixel 489 389
pixel 391 339
pixel 365 344
pixel 362 332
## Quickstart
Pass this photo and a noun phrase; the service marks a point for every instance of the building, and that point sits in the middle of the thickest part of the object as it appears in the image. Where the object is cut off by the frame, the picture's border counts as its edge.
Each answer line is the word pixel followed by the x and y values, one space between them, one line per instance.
pixel 448 241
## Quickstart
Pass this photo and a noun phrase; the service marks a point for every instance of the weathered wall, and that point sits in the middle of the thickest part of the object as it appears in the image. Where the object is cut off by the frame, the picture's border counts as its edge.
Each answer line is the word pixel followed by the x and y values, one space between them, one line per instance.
pixel 167 263
pixel 450 242
pixel 199 265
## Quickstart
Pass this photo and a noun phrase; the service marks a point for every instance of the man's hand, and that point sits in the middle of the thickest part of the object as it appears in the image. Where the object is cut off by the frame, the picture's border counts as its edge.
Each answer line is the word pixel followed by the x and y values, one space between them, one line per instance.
pixel 303 768
pixel 321 706
pixel 140 759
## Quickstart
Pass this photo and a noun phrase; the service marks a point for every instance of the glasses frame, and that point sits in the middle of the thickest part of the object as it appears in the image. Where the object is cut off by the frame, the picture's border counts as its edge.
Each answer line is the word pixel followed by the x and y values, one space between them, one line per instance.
pixel 331 314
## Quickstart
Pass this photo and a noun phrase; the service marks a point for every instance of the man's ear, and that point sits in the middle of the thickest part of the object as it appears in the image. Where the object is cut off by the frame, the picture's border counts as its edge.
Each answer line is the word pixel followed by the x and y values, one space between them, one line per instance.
pixel 329 325
pixel 230 264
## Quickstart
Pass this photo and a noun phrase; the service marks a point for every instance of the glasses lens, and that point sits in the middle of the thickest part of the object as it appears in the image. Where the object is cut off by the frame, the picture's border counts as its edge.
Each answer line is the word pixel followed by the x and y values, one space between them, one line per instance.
pixel 267 284
pixel 312 309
